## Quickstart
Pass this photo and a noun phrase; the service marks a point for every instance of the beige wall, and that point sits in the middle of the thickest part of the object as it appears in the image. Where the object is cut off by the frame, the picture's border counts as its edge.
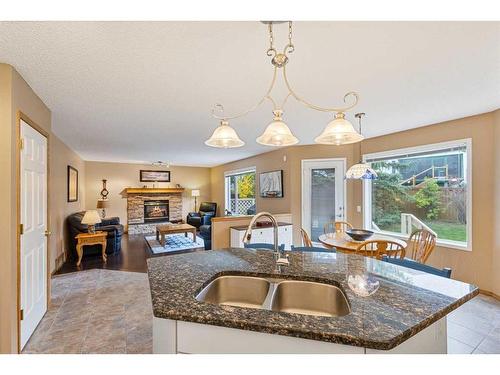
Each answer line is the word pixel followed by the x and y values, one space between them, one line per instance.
pixel 481 265
pixel 472 266
pixel 15 95
pixel 7 218
pixel 269 161
pixel 122 175
pixel 496 223
pixel 292 200
pixel 60 157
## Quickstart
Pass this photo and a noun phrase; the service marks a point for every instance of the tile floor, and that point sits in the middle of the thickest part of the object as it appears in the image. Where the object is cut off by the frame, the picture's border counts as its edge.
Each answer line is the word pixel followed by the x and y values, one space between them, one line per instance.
pixel 475 327
pixel 96 311
pixel 106 311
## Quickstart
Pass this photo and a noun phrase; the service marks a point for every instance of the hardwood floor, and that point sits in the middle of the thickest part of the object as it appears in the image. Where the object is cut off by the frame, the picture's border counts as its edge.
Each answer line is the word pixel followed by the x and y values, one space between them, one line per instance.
pixel 132 257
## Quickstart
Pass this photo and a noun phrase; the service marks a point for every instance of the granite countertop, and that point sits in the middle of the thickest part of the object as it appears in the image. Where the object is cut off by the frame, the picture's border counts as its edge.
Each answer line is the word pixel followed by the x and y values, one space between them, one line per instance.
pixel 406 302
pixel 244 227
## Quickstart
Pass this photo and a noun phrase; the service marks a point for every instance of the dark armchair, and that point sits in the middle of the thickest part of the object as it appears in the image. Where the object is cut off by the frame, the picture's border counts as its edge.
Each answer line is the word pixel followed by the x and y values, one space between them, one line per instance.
pixel 204 216
pixel 110 225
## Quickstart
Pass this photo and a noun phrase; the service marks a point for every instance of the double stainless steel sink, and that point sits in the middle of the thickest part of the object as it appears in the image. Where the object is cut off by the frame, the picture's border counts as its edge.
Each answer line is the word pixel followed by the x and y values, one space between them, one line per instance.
pixel 291 296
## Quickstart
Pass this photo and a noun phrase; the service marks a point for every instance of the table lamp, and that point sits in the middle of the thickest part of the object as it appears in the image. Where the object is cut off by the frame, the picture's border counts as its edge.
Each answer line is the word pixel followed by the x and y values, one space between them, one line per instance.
pixel 91 218
pixel 195 193
pixel 102 204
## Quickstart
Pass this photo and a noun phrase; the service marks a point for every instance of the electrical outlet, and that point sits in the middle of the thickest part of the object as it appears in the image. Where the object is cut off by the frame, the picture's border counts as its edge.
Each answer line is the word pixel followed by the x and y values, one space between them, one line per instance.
pixel 358 208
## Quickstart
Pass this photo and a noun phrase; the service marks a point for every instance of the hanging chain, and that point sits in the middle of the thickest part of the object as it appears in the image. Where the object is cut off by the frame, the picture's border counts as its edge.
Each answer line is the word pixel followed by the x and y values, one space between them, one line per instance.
pixel 290 33
pixel 271 51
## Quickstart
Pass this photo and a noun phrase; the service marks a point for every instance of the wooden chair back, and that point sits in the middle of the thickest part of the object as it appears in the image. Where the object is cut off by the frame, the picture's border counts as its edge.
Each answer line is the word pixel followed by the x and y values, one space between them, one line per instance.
pixel 379 248
pixel 306 240
pixel 336 227
pixel 420 245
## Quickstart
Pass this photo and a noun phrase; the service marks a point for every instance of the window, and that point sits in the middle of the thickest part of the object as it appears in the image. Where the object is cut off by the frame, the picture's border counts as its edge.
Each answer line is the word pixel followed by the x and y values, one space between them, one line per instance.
pixel 240 191
pixel 422 187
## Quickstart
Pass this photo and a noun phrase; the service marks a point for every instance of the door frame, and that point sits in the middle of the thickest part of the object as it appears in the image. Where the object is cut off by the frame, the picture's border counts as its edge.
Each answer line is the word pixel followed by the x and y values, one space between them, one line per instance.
pixel 302 185
pixel 21 116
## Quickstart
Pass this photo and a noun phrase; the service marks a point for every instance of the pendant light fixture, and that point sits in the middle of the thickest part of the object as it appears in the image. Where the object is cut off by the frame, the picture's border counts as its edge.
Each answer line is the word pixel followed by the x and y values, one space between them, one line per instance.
pixel 224 136
pixel 277 133
pixel 361 171
pixel 338 132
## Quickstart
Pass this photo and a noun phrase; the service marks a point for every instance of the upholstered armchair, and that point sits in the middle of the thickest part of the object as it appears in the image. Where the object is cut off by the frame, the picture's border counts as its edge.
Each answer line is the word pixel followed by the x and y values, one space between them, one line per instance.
pixel 110 225
pixel 203 216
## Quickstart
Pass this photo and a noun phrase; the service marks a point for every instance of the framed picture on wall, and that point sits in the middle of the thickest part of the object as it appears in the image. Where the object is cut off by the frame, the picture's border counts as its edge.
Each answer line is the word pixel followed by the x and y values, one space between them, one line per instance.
pixel 72 184
pixel 271 184
pixel 154 176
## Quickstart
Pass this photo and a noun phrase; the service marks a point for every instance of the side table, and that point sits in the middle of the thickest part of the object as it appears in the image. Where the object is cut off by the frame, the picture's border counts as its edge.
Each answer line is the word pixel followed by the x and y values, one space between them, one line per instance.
pixel 97 238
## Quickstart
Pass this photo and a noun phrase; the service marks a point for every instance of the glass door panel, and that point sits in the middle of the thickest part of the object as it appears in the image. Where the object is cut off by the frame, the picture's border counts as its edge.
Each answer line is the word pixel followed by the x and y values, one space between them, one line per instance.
pixel 322 199
pixel 322 194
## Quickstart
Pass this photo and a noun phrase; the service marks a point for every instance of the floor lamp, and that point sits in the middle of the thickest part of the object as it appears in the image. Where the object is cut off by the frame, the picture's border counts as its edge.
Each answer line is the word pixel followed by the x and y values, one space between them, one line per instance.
pixel 195 194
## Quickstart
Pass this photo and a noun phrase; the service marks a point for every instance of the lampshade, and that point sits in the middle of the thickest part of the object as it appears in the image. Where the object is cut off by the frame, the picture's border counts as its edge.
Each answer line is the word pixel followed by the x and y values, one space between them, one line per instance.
pixel 195 193
pixel 361 171
pixel 277 133
pixel 102 203
pixel 339 132
pixel 91 217
pixel 224 136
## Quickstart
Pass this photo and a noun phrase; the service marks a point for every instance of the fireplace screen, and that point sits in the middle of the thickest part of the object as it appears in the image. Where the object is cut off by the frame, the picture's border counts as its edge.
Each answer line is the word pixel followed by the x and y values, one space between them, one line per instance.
pixel 155 211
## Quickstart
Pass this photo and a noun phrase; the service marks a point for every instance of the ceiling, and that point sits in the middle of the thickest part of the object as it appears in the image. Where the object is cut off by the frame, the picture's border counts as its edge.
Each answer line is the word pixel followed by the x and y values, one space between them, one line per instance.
pixel 143 91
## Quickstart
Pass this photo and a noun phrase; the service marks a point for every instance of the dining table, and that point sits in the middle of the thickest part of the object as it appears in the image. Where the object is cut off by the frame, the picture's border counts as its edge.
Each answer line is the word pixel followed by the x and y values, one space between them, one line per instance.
pixel 342 242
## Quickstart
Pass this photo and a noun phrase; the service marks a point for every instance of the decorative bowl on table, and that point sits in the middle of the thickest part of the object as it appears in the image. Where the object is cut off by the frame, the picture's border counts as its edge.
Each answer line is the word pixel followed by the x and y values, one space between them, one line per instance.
pixel 359 234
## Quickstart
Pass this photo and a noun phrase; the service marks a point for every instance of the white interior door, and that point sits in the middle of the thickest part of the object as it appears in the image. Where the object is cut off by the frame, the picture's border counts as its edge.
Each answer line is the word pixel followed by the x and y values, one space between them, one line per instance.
pixel 323 194
pixel 33 251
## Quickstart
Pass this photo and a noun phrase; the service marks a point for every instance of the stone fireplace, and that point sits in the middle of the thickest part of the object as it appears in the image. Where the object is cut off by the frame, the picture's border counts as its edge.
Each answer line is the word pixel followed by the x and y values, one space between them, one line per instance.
pixel 148 207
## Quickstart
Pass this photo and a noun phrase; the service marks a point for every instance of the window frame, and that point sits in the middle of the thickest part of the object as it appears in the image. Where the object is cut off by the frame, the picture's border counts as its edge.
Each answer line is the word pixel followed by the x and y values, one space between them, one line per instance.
pixel 236 172
pixel 367 187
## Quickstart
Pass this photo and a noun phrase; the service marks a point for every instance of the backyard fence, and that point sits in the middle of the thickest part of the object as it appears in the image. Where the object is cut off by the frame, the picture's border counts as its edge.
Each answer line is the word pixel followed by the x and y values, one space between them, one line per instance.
pixel 240 206
pixel 452 201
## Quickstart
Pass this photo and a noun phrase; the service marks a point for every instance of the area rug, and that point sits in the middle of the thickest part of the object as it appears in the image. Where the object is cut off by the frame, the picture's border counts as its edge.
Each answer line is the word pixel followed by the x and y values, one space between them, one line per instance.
pixel 174 243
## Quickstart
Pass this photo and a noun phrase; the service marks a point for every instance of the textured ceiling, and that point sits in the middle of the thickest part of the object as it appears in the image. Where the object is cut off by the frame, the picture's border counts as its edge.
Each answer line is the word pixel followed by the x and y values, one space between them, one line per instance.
pixel 143 91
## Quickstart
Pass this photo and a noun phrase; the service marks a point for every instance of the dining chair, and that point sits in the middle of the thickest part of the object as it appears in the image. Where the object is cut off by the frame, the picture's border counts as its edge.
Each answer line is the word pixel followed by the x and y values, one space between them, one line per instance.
pixel 306 240
pixel 313 249
pixel 267 246
pixel 420 245
pixel 378 248
pixel 336 227
pixel 445 272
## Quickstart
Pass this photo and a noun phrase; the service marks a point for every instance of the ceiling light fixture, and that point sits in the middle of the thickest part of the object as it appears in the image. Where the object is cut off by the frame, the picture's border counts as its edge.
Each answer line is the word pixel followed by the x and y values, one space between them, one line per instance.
pixel 362 170
pixel 160 163
pixel 338 132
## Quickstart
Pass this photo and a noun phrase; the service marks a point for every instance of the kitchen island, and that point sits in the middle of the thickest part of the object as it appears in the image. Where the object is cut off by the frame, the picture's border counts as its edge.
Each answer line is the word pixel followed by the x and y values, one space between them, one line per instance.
pixel 406 314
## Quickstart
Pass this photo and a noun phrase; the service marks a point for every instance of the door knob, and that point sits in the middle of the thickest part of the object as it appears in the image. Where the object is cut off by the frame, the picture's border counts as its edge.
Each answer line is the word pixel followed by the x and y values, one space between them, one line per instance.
pixel 47 233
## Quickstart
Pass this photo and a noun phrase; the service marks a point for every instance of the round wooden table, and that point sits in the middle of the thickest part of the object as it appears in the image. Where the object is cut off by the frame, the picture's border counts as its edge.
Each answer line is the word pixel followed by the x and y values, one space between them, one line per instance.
pixel 342 242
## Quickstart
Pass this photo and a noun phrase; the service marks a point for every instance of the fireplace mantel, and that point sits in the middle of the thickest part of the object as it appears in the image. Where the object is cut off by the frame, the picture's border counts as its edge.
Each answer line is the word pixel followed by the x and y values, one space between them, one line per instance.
pixel 153 190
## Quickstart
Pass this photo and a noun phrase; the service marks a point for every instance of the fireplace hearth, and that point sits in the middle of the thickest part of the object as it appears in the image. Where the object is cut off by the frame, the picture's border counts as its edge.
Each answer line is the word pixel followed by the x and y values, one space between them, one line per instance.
pixel 156 211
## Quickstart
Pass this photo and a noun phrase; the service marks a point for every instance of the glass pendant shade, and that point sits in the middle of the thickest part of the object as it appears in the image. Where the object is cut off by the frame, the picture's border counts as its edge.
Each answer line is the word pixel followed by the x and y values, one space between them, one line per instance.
pixel 277 133
pixel 361 171
pixel 339 132
pixel 224 137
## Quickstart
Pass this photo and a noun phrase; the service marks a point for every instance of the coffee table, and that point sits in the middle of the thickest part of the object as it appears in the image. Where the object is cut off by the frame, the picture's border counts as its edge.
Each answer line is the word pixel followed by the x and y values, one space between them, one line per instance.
pixel 162 230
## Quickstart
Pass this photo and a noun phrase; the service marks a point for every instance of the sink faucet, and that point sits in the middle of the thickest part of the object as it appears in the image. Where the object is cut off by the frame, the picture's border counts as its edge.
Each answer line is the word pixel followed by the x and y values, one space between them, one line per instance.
pixel 281 259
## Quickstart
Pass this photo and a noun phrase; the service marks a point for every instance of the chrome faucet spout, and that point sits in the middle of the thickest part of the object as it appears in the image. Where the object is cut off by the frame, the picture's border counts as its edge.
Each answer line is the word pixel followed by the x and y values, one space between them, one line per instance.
pixel 280 259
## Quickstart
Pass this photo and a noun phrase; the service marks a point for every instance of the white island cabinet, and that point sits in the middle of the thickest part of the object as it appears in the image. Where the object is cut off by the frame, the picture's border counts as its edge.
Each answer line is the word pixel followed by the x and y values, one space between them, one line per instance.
pixel 263 235
pixel 172 336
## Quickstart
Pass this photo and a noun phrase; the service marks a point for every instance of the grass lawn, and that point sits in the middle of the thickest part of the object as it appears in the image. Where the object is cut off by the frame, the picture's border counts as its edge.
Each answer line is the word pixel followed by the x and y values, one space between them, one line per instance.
pixel 444 230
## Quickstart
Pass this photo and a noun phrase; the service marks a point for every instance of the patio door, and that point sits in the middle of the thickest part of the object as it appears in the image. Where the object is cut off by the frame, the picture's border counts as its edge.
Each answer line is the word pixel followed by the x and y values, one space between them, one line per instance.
pixel 323 194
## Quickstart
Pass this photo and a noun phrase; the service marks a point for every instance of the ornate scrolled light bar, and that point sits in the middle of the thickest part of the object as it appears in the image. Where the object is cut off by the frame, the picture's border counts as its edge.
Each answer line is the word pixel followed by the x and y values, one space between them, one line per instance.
pixel 338 132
